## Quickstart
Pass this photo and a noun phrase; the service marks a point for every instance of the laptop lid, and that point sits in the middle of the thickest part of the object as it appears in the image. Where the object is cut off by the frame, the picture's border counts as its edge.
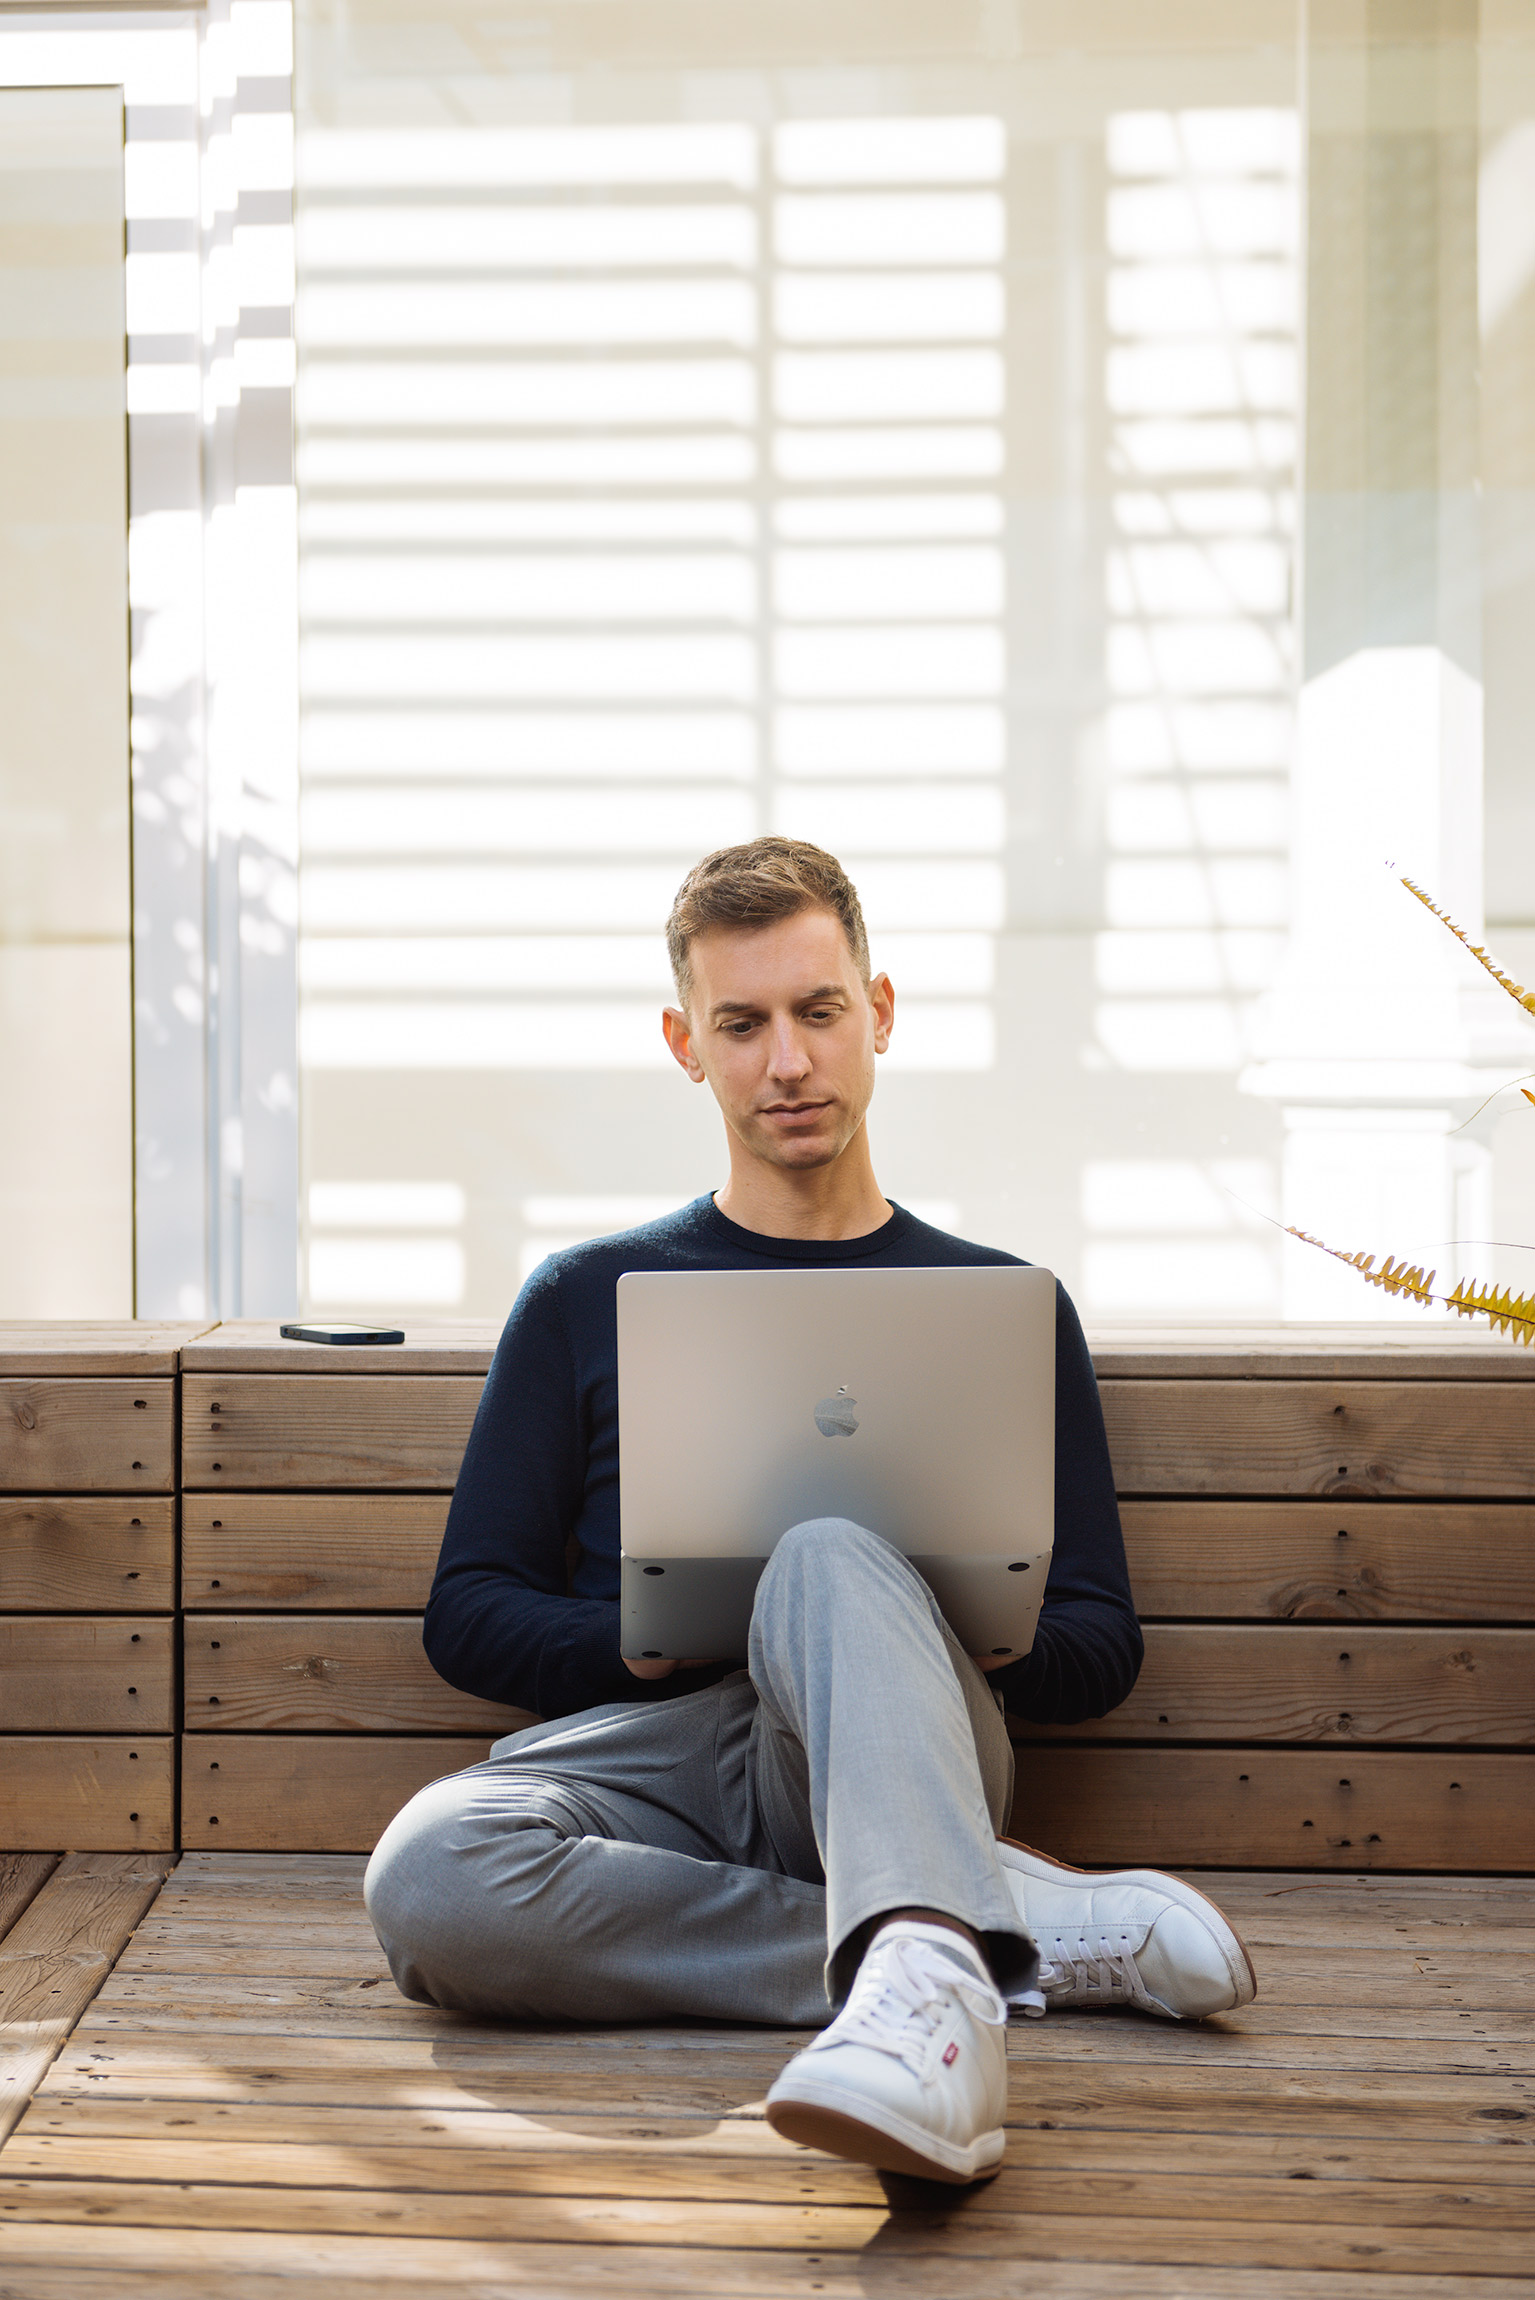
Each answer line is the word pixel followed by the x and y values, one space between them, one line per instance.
pixel 919 1403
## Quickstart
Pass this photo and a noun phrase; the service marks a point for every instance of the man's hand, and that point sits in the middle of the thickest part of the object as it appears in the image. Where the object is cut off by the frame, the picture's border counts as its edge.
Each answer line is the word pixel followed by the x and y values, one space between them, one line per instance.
pixel 650 1669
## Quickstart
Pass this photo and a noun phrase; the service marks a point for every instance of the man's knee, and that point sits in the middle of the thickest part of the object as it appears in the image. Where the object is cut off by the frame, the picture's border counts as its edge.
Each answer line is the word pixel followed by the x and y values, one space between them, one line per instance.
pixel 826 1545
pixel 453 1892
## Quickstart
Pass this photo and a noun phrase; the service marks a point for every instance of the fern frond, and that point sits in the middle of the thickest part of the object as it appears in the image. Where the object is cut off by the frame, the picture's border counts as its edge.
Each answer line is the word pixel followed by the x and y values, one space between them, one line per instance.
pixel 1510 1313
pixel 1395 1277
pixel 1516 990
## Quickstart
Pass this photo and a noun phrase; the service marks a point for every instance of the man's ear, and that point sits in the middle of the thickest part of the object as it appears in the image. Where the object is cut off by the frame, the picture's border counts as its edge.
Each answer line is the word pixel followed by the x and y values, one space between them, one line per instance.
pixel 882 999
pixel 678 1033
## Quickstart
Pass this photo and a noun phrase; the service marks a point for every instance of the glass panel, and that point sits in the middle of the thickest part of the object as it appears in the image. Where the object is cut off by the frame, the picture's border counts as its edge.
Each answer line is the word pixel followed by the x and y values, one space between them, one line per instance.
pixel 66 1150
pixel 919 437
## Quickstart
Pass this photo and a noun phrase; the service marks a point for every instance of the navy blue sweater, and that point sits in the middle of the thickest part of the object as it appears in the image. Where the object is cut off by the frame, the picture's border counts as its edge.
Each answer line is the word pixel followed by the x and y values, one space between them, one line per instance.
pixel 524 1607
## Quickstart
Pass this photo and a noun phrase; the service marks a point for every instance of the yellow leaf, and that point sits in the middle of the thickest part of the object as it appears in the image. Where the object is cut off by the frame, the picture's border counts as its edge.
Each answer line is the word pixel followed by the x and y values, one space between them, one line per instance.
pixel 1516 990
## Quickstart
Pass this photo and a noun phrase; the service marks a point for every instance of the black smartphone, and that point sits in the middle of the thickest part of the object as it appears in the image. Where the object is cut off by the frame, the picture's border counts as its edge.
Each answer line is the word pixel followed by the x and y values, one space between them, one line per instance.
pixel 374 1334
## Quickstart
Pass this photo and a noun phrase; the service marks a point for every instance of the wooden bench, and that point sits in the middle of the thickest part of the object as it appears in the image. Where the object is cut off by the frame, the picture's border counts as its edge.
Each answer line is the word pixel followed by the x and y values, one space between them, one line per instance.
pixel 88 1627
pixel 1331 1538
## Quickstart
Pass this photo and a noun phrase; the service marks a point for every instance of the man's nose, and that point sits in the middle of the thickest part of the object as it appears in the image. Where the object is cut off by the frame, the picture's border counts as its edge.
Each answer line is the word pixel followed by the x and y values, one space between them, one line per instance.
pixel 787 1056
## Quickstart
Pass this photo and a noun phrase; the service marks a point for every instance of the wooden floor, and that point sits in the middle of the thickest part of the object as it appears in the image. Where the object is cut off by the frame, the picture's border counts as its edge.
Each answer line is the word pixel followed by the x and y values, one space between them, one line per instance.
pixel 248 2111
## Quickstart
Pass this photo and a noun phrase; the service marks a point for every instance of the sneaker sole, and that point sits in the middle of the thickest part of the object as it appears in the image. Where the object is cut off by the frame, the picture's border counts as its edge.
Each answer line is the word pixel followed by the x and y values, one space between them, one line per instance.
pixel 814 2124
pixel 1159 1880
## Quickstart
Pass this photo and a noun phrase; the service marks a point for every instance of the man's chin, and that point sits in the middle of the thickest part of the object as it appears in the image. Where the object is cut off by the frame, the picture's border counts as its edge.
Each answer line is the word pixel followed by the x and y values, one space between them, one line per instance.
pixel 800 1154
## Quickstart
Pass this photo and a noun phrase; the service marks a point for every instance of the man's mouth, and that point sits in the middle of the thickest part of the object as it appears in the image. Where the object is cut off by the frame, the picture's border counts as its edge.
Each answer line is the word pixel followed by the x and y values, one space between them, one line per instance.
pixel 794 1109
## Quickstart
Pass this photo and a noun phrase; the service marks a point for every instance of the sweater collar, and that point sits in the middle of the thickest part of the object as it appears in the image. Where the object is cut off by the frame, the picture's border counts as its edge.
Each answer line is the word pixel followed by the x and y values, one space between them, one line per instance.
pixel 804 1250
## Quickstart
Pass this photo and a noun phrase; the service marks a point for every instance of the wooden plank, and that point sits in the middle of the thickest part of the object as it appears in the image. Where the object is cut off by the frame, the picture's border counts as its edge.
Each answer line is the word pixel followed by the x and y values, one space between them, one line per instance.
pixel 86 1436
pixel 727 2150
pixel 1317 1560
pixel 353 2015
pixel 325 1429
pixel 566 2076
pixel 1354 1809
pixel 1367 1978
pixel 431 1346
pixel 969 2232
pixel 22 1877
pixel 67 1552
pixel 311 1552
pixel 262 2264
pixel 1113 2179
pixel 95 1795
pixel 134 1347
pixel 336 1924
pixel 84 1673
pixel 1434 1349
pixel 301 1793
pixel 1485 2123
pixel 56 1956
pixel 1347 1438
pixel 1350 1684
pixel 326 1674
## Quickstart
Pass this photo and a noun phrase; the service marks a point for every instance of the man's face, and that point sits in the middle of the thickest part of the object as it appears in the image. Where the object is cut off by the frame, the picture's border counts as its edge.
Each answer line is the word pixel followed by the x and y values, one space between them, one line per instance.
pixel 785 1033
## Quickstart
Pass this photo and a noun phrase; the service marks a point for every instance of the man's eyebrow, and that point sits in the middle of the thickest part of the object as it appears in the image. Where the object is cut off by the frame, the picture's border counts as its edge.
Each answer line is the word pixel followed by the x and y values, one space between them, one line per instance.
pixel 725 1006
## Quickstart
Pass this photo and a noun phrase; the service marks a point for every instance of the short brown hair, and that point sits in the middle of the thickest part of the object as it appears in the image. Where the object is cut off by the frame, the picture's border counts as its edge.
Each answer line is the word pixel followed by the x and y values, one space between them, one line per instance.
pixel 756 884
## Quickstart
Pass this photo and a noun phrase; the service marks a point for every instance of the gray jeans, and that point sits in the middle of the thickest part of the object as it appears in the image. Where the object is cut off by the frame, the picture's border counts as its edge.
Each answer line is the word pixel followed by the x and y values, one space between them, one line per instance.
pixel 719 1854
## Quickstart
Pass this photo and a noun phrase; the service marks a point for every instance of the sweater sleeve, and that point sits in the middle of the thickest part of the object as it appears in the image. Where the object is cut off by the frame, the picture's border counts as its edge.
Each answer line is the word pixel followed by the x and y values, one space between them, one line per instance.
pixel 1087 1649
pixel 499 1622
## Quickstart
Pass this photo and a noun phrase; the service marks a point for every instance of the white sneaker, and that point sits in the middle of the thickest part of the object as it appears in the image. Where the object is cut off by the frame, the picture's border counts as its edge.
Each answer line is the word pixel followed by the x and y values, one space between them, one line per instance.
pixel 911 2076
pixel 1125 1937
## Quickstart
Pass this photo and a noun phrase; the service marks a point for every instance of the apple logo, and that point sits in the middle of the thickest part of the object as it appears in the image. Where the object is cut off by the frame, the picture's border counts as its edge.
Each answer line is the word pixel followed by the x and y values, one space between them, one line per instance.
pixel 834 1417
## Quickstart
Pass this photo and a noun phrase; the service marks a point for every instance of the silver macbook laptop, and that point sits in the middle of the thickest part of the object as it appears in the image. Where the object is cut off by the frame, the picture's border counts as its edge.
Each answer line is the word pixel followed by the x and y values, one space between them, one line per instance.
pixel 919 1403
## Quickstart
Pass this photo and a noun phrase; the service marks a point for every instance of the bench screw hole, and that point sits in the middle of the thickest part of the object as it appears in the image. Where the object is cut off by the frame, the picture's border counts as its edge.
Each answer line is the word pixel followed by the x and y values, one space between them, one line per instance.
pixel 213 1768
pixel 215 1645
pixel 133 1689
pixel 213 1820
pixel 215 1585
pixel 217 1465
pixel 133 1756
pixel 138 1465
pixel 1343 1657
pixel 1161 1720
pixel 133 1577
pixel 1241 1776
pixel 133 1640
pixel 133 1816
pixel 1343 1533
pixel 1307 1824
pixel 135 1521
pixel 1372 1840
pixel 138 1405
pixel 1343 1469
pixel 1345 1784
pixel 1454 1784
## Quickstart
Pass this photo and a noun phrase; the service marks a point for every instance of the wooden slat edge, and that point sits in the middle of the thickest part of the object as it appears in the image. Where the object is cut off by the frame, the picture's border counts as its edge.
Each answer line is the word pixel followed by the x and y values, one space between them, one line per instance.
pixel 90 1347
pixel 57 1955
pixel 22 1878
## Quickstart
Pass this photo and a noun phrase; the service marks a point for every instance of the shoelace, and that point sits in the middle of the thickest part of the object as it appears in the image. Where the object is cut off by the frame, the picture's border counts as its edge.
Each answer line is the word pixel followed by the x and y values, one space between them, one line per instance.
pixel 1091 1968
pixel 900 1996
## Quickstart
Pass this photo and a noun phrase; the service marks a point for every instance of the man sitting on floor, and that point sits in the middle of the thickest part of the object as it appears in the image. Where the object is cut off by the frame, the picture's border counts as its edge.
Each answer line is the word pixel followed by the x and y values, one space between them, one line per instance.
pixel 819 1830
